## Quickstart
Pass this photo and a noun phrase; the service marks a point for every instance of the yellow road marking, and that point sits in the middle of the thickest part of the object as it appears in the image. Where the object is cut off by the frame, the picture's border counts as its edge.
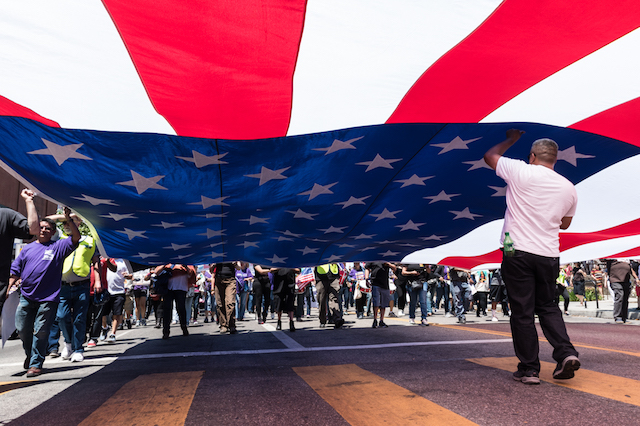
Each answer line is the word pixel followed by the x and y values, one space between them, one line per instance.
pixel 592 382
pixel 9 386
pixel 151 399
pixel 362 398
pixel 542 339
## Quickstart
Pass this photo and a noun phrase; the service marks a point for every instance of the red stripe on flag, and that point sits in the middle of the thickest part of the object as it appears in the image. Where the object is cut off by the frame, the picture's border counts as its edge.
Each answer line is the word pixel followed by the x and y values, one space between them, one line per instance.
pixel 220 69
pixel 635 252
pixel 468 262
pixel 570 240
pixel 12 109
pixel 619 122
pixel 520 44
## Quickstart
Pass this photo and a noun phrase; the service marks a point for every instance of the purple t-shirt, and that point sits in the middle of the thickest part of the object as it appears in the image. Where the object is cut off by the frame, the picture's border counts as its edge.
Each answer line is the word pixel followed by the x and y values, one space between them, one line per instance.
pixel 40 267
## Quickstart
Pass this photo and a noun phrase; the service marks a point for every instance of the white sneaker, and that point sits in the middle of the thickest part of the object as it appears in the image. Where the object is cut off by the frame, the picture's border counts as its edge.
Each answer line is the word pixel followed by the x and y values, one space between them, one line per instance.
pixel 400 313
pixel 448 315
pixel 412 321
pixel 425 322
pixel 77 357
pixel 66 351
pixel 195 322
pixel 494 319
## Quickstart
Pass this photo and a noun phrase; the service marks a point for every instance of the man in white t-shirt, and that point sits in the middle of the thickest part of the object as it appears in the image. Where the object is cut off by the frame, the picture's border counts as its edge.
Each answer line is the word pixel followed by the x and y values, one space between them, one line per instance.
pixel 540 202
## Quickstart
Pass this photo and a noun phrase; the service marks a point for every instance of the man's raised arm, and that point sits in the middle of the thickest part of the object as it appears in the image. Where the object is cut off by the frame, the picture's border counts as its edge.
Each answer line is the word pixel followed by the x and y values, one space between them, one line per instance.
pixel 492 156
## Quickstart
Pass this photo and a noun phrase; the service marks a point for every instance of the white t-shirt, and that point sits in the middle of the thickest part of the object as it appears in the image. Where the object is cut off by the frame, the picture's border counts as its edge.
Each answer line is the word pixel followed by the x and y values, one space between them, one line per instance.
pixel 115 280
pixel 537 200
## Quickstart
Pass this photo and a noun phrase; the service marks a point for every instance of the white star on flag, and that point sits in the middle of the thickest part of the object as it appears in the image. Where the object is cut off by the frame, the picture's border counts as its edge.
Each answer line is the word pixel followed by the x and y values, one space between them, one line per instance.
pixel 338 230
pixel 318 190
pixel 280 239
pixel 337 145
pixel 207 202
pixel 346 246
pixel 60 153
pixel 389 253
pixel 210 233
pixel 276 259
pixel 266 175
pixel 201 160
pixel 571 156
pixel 249 234
pixel 142 183
pixel 414 180
pixel 388 241
pixel 386 214
pixel 333 258
pixel 352 200
pixel 182 256
pixel 212 215
pixel 215 254
pixel 478 164
pixel 410 226
pixel 253 220
pixel 147 255
pixel 290 234
pixel 249 244
pixel 442 196
pixel 318 240
pixel 363 236
pixel 307 250
pixel 177 247
pixel 299 214
pixel 456 143
pixel 464 214
pixel 118 217
pixel 132 234
pixel 167 225
pixel 95 201
pixel 433 237
pixel 217 244
pixel 377 162
pixel 158 212
pixel 501 191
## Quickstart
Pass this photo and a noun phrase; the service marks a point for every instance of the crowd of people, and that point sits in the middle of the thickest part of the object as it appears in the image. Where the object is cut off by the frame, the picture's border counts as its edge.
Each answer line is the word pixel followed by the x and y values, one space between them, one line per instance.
pixel 66 288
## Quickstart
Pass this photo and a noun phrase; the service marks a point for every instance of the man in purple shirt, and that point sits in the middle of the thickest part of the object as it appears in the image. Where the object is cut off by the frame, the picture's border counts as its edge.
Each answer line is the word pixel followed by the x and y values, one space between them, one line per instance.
pixel 38 270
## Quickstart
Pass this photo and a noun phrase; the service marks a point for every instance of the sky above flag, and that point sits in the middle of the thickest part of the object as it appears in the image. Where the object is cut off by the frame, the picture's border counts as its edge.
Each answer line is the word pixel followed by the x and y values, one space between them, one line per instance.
pixel 300 132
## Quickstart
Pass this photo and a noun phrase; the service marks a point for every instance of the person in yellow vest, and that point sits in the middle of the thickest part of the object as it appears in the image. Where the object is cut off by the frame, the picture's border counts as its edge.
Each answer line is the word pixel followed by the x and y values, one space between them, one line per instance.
pixel 328 286
pixel 74 294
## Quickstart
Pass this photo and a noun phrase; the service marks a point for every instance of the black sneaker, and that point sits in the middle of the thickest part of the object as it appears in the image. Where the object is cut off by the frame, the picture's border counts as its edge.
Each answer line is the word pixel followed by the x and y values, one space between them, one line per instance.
pixel 527 377
pixel 567 368
pixel 292 326
pixel 382 324
pixel 375 323
pixel 462 320
pixel 339 323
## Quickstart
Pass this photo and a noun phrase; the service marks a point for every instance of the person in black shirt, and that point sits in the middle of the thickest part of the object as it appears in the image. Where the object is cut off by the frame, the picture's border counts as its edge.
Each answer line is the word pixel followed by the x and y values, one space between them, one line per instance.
pixel 378 273
pixel 284 282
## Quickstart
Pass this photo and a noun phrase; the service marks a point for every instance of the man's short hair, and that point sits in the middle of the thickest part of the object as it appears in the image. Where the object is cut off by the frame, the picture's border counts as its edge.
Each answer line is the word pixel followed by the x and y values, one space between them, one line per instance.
pixel 51 223
pixel 546 150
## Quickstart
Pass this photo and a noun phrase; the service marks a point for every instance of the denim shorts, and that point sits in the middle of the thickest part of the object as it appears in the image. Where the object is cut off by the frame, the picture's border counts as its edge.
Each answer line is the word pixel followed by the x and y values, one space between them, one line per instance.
pixel 380 296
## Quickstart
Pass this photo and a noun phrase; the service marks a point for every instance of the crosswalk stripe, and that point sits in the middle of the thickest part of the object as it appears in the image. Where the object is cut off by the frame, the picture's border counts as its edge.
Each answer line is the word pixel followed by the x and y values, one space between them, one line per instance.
pixel 150 399
pixel 592 382
pixel 363 398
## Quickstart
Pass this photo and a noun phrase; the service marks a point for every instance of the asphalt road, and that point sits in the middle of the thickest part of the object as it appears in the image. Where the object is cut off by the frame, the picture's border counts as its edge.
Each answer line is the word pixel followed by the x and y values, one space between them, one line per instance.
pixel 446 373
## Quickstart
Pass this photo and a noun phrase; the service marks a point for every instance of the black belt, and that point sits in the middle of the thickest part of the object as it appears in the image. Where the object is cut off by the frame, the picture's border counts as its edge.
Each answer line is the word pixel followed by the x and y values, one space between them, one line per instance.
pixel 77 283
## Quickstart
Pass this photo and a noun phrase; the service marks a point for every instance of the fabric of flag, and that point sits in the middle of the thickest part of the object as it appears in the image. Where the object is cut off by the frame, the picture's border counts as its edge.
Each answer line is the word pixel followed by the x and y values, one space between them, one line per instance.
pixel 301 132
pixel 304 278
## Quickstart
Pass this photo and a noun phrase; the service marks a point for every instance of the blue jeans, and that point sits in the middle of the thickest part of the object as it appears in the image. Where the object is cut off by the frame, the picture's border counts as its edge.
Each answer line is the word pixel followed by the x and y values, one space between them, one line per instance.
pixel 33 321
pixel 242 304
pixel 461 294
pixel 72 315
pixel 428 298
pixel 442 291
pixel 414 296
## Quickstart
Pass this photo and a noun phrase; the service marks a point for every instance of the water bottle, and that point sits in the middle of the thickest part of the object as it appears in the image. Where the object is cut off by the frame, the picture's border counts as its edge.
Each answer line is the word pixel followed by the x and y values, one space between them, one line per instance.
pixel 509 250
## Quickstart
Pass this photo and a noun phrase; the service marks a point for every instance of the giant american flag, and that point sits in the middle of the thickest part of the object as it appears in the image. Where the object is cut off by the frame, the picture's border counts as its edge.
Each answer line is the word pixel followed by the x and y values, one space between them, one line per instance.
pixel 296 133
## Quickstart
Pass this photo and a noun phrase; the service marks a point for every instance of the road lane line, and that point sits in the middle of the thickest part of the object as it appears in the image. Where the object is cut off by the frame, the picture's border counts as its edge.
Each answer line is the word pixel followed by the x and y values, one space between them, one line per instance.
pixel 9 386
pixel 605 385
pixel 310 349
pixel 542 339
pixel 363 398
pixel 286 340
pixel 150 399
